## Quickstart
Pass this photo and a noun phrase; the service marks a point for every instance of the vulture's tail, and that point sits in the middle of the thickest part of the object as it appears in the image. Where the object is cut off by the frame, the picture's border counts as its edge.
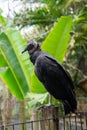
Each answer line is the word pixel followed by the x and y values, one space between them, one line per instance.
pixel 69 108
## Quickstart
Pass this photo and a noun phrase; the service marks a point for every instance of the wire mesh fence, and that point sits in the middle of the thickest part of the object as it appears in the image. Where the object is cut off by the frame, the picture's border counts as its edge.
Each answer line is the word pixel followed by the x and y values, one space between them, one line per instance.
pixel 70 122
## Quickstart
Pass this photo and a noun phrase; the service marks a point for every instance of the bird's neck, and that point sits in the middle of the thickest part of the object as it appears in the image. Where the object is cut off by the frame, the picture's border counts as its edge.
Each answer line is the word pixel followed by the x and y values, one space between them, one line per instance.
pixel 34 56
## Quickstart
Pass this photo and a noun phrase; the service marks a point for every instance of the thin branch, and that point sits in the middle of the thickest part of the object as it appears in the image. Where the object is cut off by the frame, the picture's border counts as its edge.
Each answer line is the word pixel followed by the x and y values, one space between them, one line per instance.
pixel 75 68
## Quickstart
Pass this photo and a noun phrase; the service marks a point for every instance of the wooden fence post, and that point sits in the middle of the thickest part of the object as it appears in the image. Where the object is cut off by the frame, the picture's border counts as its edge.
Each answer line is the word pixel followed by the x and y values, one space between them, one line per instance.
pixel 34 118
pixel 50 113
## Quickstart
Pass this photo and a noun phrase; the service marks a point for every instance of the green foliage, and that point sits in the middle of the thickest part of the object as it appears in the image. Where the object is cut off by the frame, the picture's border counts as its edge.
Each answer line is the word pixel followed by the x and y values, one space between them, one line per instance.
pixel 16 68
pixel 36 86
pixel 2 61
pixel 82 15
pixel 29 17
pixel 2 20
pixel 42 15
pixel 57 41
pixel 55 44
pixel 14 74
pixel 36 99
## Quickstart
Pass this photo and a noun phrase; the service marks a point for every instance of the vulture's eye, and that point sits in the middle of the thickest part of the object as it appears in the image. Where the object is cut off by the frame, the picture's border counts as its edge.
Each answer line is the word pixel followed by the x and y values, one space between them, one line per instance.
pixel 31 46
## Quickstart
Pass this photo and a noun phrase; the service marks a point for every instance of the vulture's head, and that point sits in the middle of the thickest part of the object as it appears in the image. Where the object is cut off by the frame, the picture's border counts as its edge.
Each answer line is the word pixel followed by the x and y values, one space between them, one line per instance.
pixel 31 47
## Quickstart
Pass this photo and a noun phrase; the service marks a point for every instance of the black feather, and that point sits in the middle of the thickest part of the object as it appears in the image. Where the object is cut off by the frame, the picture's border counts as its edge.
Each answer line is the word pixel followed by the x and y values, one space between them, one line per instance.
pixel 55 79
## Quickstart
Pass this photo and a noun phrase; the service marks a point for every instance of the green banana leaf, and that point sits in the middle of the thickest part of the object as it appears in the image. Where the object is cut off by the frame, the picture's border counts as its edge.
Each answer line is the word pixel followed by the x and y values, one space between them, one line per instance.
pixel 36 86
pixel 2 61
pixel 17 75
pixel 56 45
pixel 7 76
pixel 58 39
pixel 15 68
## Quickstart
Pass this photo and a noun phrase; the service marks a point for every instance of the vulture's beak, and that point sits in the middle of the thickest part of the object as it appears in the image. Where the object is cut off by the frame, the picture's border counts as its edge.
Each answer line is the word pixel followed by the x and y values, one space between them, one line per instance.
pixel 26 49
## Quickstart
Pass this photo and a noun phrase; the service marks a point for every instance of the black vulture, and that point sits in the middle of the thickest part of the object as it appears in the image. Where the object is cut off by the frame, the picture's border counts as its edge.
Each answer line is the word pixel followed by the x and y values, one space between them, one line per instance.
pixel 53 76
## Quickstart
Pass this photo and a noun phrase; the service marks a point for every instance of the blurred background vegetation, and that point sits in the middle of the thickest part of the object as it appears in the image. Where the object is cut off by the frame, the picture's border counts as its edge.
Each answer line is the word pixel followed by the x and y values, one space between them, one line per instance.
pixel 34 21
